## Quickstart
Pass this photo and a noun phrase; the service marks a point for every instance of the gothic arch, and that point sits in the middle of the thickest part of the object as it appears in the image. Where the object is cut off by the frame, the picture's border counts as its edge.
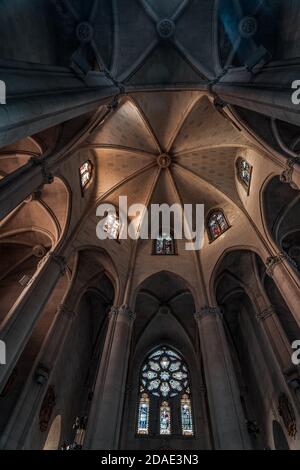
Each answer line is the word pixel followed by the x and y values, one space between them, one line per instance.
pixel 280 211
pixel 104 263
pixel 218 265
pixel 185 285
pixel 171 324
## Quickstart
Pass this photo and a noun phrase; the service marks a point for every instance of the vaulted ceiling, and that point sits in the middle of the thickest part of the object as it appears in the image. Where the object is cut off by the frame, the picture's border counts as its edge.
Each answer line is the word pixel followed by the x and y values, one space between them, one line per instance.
pixel 171 147
pixel 167 141
pixel 145 42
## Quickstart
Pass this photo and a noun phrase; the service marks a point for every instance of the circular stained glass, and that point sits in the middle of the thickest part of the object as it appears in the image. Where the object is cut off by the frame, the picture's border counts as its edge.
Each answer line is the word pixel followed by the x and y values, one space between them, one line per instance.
pixel 164 374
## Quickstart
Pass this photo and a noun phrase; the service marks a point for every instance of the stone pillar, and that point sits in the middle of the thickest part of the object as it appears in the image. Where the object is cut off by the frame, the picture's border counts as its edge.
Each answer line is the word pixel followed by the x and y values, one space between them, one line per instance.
pixel 17 327
pixel 105 419
pixel 17 186
pixel 16 432
pixel 270 324
pixel 42 96
pixel 38 171
pixel 278 268
pixel 227 418
pixel 268 92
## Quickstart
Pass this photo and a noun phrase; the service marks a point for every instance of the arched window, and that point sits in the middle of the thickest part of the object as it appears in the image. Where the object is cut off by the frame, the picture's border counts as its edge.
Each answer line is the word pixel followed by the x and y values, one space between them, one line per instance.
pixel 165 389
pixel 217 224
pixel 86 172
pixel 244 172
pixel 164 245
pixel 112 226
pixel 143 424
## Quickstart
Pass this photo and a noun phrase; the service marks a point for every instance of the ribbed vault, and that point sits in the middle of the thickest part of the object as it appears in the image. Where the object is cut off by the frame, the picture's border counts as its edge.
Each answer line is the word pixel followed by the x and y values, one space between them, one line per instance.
pixel 184 127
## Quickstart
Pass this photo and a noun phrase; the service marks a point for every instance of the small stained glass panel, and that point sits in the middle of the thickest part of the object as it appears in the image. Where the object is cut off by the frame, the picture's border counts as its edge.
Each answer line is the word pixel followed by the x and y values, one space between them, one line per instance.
pixel 143 419
pixel 164 245
pixel 112 226
pixel 86 171
pixel 217 225
pixel 186 416
pixel 244 172
pixel 165 419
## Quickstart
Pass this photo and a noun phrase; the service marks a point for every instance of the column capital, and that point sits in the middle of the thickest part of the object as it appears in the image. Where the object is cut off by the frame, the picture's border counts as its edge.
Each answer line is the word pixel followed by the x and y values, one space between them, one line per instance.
pixel 46 174
pixel 208 312
pixel 266 313
pixel 273 261
pixel 287 175
pixel 41 374
pixel 125 311
pixel 113 312
pixel 60 260
pixel 65 311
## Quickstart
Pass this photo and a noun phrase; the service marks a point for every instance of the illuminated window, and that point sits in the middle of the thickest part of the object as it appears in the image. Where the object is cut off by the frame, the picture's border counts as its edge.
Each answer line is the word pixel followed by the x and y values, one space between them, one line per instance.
pixel 244 170
pixel 165 382
pixel 112 226
pixel 186 416
pixel 164 245
pixel 143 420
pixel 165 418
pixel 217 225
pixel 164 374
pixel 86 171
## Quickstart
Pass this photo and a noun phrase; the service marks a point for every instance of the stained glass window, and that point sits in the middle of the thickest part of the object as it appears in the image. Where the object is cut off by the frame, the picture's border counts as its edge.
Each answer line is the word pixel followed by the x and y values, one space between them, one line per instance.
pixel 164 375
pixel 143 420
pixel 244 172
pixel 165 382
pixel 217 225
pixel 112 226
pixel 165 418
pixel 186 416
pixel 86 171
pixel 164 245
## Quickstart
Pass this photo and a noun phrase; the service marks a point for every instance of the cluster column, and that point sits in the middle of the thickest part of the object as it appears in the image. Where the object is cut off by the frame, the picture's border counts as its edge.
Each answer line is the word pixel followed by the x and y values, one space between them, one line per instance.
pixel 17 430
pixel 228 421
pixel 105 420
pixel 23 182
pixel 17 327
pixel 41 96
pixel 277 267
pixel 270 324
pixel 268 92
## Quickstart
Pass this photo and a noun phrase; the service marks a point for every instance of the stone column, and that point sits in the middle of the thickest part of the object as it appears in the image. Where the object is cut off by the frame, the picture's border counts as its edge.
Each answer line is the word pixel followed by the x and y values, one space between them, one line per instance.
pixel 37 172
pixel 17 186
pixel 278 268
pixel 105 419
pixel 227 418
pixel 270 324
pixel 42 96
pixel 17 327
pixel 16 432
pixel 268 92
